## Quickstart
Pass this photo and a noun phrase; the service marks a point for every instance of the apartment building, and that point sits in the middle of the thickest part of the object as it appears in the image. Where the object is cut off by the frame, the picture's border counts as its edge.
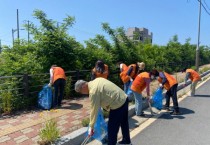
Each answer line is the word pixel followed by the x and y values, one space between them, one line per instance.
pixel 139 34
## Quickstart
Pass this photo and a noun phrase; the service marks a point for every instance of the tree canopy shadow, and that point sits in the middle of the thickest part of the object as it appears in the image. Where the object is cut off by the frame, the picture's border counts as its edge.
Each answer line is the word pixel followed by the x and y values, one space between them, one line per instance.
pixel 183 111
pixel 72 106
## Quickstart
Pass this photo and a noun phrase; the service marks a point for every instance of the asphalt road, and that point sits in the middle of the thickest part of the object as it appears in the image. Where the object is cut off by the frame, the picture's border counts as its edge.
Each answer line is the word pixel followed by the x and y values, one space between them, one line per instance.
pixel 192 127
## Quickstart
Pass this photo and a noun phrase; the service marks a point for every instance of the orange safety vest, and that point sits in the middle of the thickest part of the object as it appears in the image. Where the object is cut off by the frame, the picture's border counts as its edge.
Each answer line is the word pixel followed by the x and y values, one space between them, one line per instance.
pixel 170 81
pixel 123 75
pixel 104 74
pixel 194 76
pixel 124 67
pixel 58 73
pixel 139 84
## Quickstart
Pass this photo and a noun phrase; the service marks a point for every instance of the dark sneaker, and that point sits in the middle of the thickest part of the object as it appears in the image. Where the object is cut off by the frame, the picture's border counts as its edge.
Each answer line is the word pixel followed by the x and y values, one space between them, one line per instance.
pixel 166 108
pixel 142 114
pixel 175 113
pixel 123 143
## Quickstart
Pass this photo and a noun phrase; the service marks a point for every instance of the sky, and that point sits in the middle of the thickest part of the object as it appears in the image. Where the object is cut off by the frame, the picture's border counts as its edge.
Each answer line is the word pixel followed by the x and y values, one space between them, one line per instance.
pixel 164 18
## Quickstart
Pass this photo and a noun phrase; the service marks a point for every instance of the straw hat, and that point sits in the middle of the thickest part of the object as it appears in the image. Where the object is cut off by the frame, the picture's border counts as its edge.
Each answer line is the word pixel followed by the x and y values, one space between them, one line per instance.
pixel 141 65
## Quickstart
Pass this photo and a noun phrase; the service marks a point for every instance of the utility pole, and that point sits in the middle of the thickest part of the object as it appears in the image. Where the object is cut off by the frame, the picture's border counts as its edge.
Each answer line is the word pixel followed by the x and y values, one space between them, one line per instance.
pixel 13 39
pixel 0 46
pixel 197 49
pixel 28 33
pixel 18 34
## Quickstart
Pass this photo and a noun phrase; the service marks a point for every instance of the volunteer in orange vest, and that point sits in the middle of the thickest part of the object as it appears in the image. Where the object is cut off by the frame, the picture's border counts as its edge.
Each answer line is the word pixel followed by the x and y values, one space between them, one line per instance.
pixel 100 70
pixel 194 77
pixel 123 69
pixel 168 82
pixel 130 74
pixel 58 80
pixel 141 82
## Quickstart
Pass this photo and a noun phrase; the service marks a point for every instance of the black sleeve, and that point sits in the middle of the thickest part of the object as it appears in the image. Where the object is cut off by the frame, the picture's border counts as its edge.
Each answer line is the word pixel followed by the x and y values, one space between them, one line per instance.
pixel 92 76
pixel 129 71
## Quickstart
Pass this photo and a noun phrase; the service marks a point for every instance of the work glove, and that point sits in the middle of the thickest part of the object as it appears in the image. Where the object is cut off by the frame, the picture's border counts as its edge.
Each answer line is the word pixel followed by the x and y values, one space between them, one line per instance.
pixel 90 132
pixel 161 86
pixel 49 85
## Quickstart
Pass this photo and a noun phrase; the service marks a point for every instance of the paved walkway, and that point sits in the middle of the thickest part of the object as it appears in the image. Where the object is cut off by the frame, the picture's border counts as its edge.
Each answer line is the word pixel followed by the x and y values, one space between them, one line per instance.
pixel 23 128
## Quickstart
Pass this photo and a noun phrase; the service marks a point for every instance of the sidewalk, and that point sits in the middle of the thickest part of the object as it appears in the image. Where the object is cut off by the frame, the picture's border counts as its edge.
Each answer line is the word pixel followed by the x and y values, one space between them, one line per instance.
pixel 23 128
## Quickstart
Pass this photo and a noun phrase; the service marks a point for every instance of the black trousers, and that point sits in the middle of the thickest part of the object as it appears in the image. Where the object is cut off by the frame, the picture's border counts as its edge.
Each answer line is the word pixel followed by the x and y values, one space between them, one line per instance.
pixel 172 92
pixel 59 91
pixel 118 118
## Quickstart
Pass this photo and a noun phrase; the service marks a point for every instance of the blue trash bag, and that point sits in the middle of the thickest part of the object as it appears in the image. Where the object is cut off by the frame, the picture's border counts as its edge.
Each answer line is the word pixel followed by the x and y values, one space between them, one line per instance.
pixel 129 92
pixel 100 128
pixel 157 99
pixel 45 98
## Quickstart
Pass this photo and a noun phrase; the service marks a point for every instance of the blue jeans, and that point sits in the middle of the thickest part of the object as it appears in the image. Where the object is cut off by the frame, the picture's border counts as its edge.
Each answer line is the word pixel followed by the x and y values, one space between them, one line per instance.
pixel 138 103
pixel 128 91
pixel 126 85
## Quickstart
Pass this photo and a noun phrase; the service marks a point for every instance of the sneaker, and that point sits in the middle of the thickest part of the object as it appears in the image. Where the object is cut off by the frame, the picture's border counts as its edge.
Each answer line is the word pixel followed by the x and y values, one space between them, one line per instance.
pixel 175 113
pixel 123 143
pixel 166 108
pixel 142 114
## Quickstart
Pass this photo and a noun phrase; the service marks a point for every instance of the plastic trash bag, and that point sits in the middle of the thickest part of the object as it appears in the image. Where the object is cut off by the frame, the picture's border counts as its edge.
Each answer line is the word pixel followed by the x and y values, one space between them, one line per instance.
pixel 100 128
pixel 45 98
pixel 129 92
pixel 157 99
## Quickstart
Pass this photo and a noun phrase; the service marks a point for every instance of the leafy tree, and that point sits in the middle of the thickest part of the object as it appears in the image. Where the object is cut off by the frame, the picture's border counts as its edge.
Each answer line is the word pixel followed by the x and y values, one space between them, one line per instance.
pixel 55 45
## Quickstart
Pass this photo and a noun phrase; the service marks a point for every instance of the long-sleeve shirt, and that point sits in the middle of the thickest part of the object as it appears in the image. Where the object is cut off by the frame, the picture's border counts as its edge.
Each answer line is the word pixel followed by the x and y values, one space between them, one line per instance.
pixel 147 86
pixel 51 75
pixel 187 77
pixel 105 94
pixel 164 79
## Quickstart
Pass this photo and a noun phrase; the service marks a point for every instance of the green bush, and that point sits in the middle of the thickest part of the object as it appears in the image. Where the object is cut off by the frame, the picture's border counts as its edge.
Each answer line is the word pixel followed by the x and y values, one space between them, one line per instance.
pixel 204 70
pixel 49 133
pixel 85 122
pixel 67 89
pixel 6 102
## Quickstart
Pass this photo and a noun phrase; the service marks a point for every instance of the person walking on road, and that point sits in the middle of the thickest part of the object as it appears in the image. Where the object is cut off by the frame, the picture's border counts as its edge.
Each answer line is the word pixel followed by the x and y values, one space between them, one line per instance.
pixel 168 82
pixel 103 93
pixel 194 77
pixel 141 82
pixel 100 70
pixel 58 80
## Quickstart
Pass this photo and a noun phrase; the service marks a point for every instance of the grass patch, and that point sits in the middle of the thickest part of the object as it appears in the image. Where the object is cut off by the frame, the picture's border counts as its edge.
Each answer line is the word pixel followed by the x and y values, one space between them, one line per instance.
pixel 49 132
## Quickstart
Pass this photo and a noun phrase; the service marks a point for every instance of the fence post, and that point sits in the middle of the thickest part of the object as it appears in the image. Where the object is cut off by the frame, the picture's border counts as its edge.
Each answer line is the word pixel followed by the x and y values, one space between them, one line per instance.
pixel 77 74
pixel 26 85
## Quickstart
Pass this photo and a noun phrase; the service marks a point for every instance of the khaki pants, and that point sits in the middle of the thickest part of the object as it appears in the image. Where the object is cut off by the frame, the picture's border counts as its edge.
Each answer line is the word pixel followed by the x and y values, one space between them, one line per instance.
pixel 192 88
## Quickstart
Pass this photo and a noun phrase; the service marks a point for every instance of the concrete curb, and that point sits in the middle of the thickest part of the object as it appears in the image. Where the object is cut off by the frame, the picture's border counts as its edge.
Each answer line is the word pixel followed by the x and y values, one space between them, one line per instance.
pixel 78 136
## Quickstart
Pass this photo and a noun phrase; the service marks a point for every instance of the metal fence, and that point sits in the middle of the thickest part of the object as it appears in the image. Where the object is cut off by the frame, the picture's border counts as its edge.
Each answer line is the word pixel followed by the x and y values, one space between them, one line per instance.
pixel 30 85
pixel 27 86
